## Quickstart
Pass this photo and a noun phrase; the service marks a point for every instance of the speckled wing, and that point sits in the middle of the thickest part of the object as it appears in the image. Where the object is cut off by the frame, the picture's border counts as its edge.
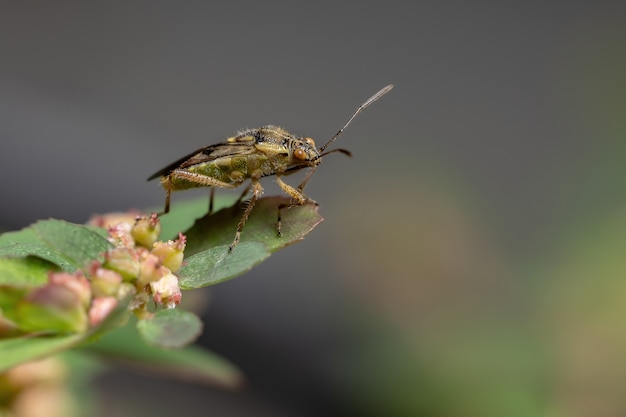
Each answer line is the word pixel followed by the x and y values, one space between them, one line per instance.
pixel 207 154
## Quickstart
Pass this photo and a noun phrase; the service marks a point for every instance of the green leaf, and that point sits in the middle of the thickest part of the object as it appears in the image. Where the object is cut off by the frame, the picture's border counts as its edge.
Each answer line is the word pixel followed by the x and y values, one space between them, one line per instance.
pixel 208 240
pixel 78 243
pixel 24 349
pixel 14 351
pixel 172 329
pixel 26 235
pixel 37 250
pixel 68 245
pixel 217 265
pixel 184 214
pixel 29 271
pixel 219 228
pixel 190 363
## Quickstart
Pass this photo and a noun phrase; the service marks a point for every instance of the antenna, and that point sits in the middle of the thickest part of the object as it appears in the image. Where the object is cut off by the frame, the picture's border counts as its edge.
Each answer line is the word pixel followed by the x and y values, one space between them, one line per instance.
pixel 362 107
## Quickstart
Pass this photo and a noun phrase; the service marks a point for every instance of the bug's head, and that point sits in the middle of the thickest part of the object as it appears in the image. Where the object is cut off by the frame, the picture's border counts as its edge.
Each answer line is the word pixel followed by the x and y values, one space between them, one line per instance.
pixel 305 152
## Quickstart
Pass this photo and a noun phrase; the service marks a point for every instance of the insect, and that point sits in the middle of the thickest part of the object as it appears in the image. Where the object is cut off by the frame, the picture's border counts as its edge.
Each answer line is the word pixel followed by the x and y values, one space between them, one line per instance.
pixel 251 155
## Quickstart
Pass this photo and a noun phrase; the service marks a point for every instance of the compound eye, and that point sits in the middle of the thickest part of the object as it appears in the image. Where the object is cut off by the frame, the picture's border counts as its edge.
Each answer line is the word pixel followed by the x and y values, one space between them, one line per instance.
pixel 299 154
pixel 310 141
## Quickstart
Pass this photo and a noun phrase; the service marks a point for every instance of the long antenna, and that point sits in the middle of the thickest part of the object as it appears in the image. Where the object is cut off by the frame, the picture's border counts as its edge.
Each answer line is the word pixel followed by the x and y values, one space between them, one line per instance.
pixel 362 107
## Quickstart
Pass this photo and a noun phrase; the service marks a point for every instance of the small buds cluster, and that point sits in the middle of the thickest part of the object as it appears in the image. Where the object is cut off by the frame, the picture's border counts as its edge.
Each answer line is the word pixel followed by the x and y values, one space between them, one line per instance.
pixel 143 261
pixel 137 264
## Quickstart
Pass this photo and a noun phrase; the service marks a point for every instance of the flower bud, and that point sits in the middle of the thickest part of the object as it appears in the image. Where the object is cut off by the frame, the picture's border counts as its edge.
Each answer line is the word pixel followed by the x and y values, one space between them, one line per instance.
pixel 52 307
pixel 75 282
pixel 104 282
pixel 150 269
pixel 120 236
pixel 125 290
pixel 166 291
pixel 109 220
pixel 146 230
pixel 171 252
pixel 101 307
pixel 124 261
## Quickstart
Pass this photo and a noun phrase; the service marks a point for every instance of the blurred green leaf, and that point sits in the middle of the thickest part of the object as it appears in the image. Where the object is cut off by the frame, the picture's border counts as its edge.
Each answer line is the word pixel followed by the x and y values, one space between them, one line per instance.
pixel 16 350
pixel 28 271
pixel 24 349
pixel 26 235
pixel 190 363
pixel 172 328
pixel 38 250
pixel 68 245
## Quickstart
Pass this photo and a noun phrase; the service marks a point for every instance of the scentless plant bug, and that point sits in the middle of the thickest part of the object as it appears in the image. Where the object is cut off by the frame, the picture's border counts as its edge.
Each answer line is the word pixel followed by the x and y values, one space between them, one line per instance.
pixel 251 155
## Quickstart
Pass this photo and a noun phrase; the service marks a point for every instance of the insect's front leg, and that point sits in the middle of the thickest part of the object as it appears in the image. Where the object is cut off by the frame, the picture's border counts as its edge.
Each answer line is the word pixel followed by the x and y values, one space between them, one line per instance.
pixel 297 199
pixel 306 178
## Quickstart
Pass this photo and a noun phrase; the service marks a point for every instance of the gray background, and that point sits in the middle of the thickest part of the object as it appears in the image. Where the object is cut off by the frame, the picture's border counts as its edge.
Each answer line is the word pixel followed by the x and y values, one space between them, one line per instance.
pixel 504 129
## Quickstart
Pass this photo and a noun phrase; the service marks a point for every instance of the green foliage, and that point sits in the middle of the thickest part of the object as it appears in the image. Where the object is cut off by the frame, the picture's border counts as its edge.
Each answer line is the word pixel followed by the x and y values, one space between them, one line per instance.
pixel 215 265
pixel 190 363
pixel 209 237
pixel 69 246
pixel 39 317
pixel 173 328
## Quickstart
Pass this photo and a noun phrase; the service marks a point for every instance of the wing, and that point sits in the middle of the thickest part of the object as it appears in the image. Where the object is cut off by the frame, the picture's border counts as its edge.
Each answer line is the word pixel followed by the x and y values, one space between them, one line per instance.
pixel 207 154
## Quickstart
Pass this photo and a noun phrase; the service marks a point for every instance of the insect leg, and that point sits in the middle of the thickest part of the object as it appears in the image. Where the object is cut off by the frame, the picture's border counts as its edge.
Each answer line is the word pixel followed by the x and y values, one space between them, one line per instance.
pixel 194 178
pixel 167 184
pixel 245 191
pixel 257 190
pixel 306 179
pixel 200 179
pixel 211 196
pixel 297 199
pixel 296 195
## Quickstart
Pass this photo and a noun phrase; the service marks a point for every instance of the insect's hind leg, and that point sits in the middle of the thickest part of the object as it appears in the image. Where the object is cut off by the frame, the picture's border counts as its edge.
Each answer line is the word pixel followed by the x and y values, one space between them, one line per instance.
pixel 201 180
pixel 211 197
pixel 257 190
pixel 243 194
pixel 239 200
pixel 167 184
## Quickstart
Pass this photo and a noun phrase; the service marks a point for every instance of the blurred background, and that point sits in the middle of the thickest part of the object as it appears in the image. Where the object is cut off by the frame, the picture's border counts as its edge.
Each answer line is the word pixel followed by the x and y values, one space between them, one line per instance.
pixel 472 261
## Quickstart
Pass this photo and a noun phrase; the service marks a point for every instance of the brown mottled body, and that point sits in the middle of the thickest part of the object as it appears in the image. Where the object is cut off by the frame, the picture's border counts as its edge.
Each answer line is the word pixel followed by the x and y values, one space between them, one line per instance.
pixel 251 155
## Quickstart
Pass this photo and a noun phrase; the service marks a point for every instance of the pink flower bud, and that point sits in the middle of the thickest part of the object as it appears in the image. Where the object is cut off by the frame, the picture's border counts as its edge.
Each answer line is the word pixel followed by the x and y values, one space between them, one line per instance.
pixel 54 308
pixel 171 252
pixel 76 282
pixel 146 230
pixel 166 291
pixel 150 269
pixel 120 236
pixel 108 220
pixel 100 309
pixel 104 282
pixel 125 261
